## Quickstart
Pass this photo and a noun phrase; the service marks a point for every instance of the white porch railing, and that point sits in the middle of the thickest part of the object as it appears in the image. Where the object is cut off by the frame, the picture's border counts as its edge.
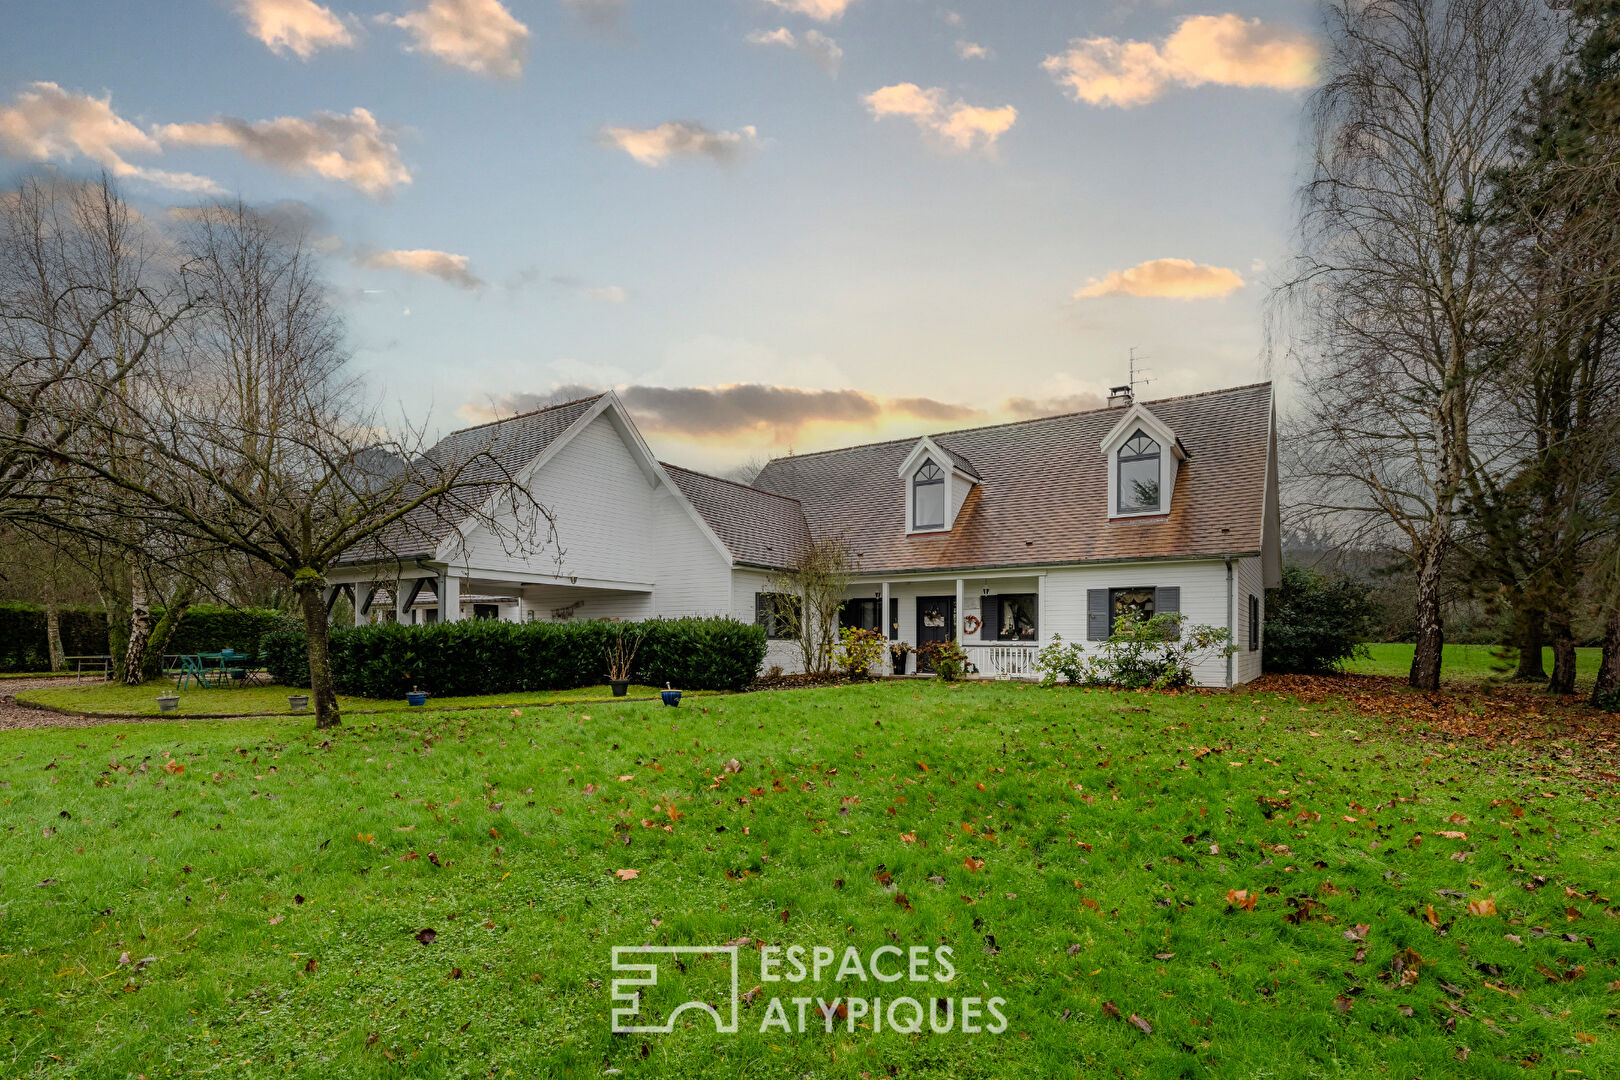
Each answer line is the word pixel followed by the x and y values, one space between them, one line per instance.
pixel 1002 661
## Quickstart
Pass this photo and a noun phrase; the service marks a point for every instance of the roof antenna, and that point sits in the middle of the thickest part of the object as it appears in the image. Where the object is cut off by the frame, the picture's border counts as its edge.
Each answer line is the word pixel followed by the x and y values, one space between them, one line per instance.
pixel 1126 395
pixel 1137 376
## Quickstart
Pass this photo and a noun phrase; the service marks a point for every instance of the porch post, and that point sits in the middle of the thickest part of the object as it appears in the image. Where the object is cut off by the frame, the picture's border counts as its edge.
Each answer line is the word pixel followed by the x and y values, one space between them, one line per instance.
pixel 1040 609
pixel 404 596
pixel 449 596
pixel 889 632
pixel 960 615
pixel 362 601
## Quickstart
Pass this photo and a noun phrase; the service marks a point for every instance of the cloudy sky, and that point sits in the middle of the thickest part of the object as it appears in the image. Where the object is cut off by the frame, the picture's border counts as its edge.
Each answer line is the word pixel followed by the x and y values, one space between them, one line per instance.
pixel 769 224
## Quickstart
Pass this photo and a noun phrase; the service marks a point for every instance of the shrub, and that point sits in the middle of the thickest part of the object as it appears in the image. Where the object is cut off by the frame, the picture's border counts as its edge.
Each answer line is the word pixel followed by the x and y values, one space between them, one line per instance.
pixel 1061 660
pixel 206 628
pixel 1314 622
pixel 488 656
pixel 948 659
pixel 1157 653
pixel 1608 700
pixel 858 650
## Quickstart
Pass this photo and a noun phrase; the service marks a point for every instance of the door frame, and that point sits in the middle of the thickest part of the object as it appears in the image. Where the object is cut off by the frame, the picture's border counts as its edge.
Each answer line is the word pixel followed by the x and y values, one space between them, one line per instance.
pixel 947 602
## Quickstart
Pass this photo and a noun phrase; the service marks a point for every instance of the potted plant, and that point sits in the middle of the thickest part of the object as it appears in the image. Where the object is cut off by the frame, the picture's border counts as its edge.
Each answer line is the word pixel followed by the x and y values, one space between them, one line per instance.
pixel 898 651
pixel 416 697
pixel 298 702
pixel 621 657
pixel 168 702
pixel 671 697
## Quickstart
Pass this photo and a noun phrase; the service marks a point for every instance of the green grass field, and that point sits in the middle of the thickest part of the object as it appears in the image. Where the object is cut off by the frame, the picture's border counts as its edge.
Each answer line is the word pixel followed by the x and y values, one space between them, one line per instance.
pixel 1467 662
pixel 114 699
pixel 249 898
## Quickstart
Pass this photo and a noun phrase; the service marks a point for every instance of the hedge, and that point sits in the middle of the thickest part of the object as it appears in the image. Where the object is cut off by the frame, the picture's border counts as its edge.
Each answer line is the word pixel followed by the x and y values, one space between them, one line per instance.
pixel 206 628
pixel 488 656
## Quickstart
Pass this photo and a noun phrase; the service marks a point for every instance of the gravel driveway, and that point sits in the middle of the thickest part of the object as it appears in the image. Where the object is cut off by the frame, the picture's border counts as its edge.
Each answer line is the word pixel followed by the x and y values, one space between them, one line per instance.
pixel 14 716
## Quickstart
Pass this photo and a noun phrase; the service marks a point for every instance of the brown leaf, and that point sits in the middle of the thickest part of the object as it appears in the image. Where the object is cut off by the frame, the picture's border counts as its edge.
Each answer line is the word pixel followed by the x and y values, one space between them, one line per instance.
pixel 973 865
pixel 1344 1004
pixel 1147 1028
pixel 1241 898
pixel 1111 1010
pixel 310 967
pixel 427 936
pixel 627 875
pixel 1483 907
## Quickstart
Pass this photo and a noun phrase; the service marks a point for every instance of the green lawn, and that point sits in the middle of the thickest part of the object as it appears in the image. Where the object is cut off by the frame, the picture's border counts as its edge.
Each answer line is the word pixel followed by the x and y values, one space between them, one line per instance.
pixel 270 884
pixel 115 699
pixel 1470 662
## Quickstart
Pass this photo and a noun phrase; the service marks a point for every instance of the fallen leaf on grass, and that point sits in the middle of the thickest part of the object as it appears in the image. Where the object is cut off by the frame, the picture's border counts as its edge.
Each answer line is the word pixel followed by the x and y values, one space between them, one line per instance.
pixel 427 936
pixel 627 875
pixel 1241 898
pixel 973 865
pixel 1111 1010
pixel 1486 906
pixel 1147 1028
pixel 1357 932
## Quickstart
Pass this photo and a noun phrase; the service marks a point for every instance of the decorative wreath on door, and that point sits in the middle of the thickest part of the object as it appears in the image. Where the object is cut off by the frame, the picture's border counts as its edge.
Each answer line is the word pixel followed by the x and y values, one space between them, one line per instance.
pixel 971 624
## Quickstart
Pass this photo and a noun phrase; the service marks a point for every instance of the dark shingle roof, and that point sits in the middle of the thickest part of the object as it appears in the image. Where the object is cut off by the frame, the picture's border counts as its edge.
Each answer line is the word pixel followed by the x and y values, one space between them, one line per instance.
pixel 758 527
pixel 490 453
pixel 1044 491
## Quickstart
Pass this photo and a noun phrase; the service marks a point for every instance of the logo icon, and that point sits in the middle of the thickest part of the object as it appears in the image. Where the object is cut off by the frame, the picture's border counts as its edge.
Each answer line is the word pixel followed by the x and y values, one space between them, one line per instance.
pixel 645 974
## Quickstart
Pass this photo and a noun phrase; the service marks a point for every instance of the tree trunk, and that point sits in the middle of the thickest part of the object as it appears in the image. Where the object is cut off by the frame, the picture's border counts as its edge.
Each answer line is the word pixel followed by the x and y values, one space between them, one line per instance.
pixel 140 632
pixel 1530 668
pixel 174 613
pixel 53 629
pixel 321 691
pixel 114 590
pixel 1563 649
pixel 1608 677
pixel 1426 657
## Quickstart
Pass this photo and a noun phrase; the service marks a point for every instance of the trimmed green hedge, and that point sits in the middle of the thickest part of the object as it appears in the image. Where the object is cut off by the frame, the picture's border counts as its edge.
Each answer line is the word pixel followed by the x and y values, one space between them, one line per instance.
pixel 488 656
pixel 206 628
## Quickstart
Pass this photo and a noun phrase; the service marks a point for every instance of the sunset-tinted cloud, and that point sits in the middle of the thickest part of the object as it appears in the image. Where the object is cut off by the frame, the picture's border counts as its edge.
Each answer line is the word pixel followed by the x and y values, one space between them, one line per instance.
pixel 957 124
pixel 481 36
pixel 351 148
pixel 47 123
pixel 680 138
pixel 824 10
pixel 455 269
pixel 301 27
pixel 1177 279
pixel 820 49
pixel 1226 50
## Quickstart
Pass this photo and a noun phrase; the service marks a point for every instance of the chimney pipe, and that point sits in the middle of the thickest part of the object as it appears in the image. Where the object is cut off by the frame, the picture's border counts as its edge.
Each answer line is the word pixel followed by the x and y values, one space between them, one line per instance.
pixel 1118 396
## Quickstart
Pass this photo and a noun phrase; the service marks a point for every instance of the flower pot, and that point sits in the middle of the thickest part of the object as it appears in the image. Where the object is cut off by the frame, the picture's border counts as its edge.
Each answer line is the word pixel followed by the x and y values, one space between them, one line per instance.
pixel 672 698
pixel 416 698
pixel 620 686
pixel 168 702
pixel 899 659
pixel 298 702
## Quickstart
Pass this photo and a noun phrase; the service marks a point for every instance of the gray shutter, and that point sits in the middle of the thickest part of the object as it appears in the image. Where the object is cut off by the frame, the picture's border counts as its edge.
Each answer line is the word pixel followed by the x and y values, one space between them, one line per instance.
pixel 1035 610
pixel 1096 614
pixel 762 613
pixel 894 618
pixel 989 618
pixel 1167 601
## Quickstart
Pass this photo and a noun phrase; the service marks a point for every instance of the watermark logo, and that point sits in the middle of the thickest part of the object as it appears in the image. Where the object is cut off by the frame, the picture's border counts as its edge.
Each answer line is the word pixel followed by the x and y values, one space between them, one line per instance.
pixel 628 991
pixel 901 990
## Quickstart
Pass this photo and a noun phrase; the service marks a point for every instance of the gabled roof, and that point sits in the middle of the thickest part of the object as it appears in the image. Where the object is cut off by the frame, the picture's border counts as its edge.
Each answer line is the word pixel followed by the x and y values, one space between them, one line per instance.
pixel 493 451
pixel 758 527
pixel 1044 490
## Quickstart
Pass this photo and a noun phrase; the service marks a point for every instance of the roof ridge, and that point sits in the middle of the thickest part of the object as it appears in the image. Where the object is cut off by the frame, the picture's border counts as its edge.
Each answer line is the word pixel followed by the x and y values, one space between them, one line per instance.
pixel 525 415
pixel 1015 423
pixel 733 483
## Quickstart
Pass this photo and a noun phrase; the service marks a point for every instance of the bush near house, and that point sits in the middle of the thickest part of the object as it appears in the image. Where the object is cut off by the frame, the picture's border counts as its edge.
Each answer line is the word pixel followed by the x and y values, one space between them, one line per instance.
pixel 1156 653
pixel 1316 623
pixel 206 628
pixel 488 656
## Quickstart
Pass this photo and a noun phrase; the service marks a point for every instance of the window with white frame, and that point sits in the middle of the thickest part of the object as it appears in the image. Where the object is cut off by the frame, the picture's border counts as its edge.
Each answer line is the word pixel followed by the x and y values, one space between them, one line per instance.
pixel 1138 475
pixel 928 497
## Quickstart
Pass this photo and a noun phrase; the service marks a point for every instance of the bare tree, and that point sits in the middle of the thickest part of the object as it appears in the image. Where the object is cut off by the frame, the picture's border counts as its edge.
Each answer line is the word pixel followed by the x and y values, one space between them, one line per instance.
pixel 1398 284
pixel 251 442
pixel 806 599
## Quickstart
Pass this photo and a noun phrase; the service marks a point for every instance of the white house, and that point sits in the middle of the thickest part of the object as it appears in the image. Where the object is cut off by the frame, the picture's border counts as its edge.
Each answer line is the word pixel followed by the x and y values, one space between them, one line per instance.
pixel 1000 537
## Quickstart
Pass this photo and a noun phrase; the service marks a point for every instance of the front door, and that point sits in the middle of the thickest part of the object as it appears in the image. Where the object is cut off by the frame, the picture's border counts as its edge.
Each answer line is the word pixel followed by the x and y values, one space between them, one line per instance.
pixel 936 621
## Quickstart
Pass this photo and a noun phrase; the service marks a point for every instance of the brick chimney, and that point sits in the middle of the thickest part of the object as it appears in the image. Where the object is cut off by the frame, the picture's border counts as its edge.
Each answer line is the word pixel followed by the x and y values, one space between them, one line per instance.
pixel 1119 396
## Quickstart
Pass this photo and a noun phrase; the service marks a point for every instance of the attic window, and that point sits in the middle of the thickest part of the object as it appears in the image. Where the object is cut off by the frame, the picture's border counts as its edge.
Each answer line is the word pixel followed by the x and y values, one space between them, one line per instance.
pixel 1139 475
pixel 928 497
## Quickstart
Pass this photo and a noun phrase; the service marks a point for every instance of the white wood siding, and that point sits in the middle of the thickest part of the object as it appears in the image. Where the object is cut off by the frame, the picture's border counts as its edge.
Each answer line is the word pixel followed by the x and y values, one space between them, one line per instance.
pixel 1250 581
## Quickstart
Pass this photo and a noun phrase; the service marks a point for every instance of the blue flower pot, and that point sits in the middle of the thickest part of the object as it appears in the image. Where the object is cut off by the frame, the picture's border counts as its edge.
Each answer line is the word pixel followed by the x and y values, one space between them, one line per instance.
pixel 416 697
pixel 672 698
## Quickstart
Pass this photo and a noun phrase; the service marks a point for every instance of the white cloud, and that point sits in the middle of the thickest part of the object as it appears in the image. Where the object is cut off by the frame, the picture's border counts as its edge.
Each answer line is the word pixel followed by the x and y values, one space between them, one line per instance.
pixel 957 123
pixel 822 50
pixel 302 27
pixel 455 269
pixel 352 148
pixel 679 138
pixel 607 294
pixel 971 50
pixel 1227 50
pixel 821 10
pixel 479 35
pixel 1176 279
pixel 47 123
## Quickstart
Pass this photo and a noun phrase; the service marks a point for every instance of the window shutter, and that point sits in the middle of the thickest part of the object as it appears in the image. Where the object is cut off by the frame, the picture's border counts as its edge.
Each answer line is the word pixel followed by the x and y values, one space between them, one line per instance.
pixel 894 618
pixel 1254 622
pixel 1167 601
pixel 1035 610
pixel 1096 614
pixel 990 618
pixel 762 612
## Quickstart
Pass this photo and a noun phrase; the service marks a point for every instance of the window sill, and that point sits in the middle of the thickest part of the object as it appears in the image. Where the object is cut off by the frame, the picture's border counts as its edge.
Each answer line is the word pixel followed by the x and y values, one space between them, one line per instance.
pixel 932 530
pixel 1144 515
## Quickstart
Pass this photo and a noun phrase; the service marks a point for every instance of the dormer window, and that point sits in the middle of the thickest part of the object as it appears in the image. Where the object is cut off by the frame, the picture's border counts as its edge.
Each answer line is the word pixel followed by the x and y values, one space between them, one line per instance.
pixel 928 497
pixel 1138 486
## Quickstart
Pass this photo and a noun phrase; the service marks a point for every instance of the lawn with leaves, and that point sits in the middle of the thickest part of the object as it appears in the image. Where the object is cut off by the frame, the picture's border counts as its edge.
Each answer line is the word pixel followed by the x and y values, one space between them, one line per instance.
pixel 1464 663
pixel 1191 885
pixel 116 699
